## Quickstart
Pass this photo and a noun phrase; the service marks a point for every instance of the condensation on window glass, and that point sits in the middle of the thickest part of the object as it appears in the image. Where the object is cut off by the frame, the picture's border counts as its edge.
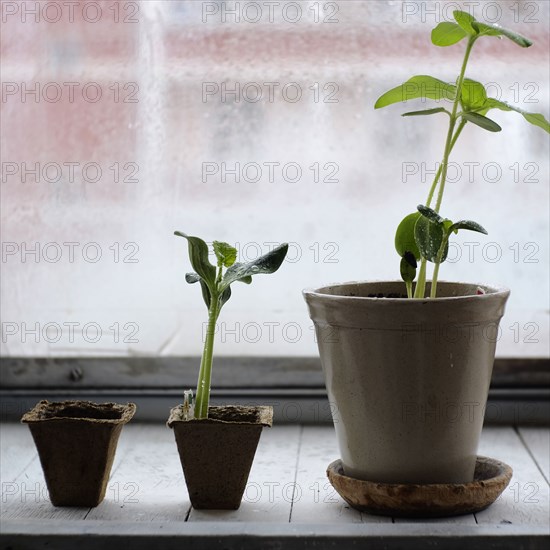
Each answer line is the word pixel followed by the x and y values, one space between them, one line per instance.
pixel 253 123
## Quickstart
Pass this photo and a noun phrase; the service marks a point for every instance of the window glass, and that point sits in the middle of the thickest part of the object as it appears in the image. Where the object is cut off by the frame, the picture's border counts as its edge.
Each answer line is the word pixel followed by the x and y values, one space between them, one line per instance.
pixel 253 123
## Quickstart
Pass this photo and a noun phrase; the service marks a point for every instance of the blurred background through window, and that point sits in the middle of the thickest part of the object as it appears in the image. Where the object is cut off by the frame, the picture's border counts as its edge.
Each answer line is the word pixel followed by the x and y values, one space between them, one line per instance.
pixel 253 123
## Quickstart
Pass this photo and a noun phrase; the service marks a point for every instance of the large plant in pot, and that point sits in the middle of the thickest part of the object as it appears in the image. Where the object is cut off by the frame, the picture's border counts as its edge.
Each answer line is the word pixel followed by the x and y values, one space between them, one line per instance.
pixel 217 444
pixel 408 364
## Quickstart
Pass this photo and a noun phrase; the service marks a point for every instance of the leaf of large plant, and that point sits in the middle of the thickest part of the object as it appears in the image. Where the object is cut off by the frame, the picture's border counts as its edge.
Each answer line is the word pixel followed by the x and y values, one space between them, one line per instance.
pixel 473 95
pixel 198 255
pixel 489 29
pixel 430 213
pixel 404 236
pixel 225 253
pixel 427 112
pixel 429 236
pixel 536 119
pixel 407 269
pixel 469 225
pixel 268 263
pixel 447 34
pixel 482 122
pixel 465 20
pixel 421 86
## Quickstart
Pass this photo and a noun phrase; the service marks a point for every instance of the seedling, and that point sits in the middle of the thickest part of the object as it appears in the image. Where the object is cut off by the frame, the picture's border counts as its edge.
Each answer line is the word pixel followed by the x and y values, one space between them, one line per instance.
pixel 424 235
pixel 215 285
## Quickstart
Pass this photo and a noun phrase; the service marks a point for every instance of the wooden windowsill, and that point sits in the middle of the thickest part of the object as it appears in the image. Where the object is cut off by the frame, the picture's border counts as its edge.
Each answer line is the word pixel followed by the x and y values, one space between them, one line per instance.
pixel 288 498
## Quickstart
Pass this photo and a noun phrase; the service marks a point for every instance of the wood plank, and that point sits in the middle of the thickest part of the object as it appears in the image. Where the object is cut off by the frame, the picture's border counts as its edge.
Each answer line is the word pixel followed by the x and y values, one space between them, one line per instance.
pixel 148 484
pixel 231 372
pixel 527 499
pixel 538 442
pixel 17 451
pixel 90 535
pixel 270 488
pixel 317 501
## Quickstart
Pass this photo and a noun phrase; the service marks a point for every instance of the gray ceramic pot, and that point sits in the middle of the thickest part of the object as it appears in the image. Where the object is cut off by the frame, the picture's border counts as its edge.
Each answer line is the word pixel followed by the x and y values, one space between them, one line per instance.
pixel 407 379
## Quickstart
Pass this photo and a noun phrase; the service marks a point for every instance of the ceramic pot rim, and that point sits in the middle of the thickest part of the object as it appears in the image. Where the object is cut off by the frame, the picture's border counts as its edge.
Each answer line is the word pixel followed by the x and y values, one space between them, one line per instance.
pixel 322 293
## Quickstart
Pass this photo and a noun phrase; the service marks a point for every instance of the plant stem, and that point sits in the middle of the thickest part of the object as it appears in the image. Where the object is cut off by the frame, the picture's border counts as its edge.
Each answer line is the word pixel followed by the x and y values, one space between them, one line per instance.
pixel 440 252
pixel 452 122
pixel 452 137
pixel 205 375
pixel 438 173
pixel 409 286
pixel 421 283
pixel 420 289
pixel 433 291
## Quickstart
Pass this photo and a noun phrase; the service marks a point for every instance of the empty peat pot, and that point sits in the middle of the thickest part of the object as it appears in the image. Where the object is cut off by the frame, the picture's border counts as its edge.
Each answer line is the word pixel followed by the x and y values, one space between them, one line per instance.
pixel 76 443
pixel 407 379
pixel 216 453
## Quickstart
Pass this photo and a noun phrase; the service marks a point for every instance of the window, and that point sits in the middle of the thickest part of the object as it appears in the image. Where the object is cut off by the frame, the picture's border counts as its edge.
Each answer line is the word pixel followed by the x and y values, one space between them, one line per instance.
pixel 253 123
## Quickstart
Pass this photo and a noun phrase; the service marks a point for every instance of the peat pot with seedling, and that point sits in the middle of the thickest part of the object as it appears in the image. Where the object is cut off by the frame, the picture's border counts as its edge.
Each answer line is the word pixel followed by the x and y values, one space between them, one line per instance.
pixel 217 445
pixel 408 364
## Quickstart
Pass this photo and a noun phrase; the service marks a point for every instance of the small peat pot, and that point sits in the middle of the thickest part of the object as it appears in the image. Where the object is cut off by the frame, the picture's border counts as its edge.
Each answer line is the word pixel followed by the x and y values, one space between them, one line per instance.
pixel 216 453
pixel 76 443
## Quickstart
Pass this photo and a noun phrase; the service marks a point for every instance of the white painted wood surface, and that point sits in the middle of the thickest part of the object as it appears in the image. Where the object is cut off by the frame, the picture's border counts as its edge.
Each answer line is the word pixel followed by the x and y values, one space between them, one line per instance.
pixel 318 502
pixel 287 482
pixel 537 441
pixel 147 481
pixel 526 499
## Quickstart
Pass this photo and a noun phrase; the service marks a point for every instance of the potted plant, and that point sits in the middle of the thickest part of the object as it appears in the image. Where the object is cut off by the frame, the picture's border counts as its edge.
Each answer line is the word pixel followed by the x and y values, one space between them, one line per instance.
pixel 217 445
pixel 408 364
pixel 76 443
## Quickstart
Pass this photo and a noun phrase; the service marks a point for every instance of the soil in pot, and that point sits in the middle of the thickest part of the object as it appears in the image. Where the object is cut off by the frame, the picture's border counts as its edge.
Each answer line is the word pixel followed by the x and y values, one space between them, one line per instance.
pixel 76 443
pixel 217 453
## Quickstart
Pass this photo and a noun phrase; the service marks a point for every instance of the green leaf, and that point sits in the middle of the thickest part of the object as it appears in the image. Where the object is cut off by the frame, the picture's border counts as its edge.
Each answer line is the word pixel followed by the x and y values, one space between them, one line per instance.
pixel 192 278
pixel 198 255
pixel 430 214
pixel 534 118
pixel 465 20
pixel 447 34
pixel 421 86
pixel 473 95
pixel 408 271
pixel 225 253
pixel 429 236
pixel 404 236
pixel 489 29
pixel 482 122
pixel 205 293
pixel 268 263
pixel 226 294
pixel 427 112
pixel 537 120
pixel 469 225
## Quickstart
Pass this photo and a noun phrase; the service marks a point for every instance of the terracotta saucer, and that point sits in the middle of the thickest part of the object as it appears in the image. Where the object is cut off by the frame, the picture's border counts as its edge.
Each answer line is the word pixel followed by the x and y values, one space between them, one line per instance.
pixel 426 501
